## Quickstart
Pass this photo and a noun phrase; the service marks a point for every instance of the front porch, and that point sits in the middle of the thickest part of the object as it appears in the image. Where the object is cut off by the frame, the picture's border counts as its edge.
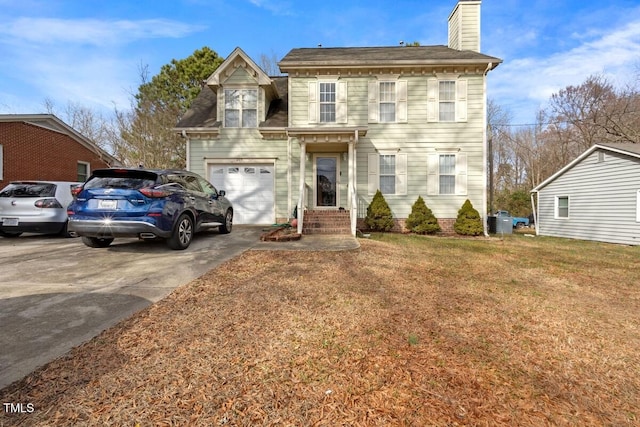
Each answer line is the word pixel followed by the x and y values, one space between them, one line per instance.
pixel 329 203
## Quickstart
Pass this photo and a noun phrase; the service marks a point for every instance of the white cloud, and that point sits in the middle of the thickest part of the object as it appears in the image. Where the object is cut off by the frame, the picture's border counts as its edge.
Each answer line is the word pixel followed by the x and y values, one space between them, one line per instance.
pixel 92 31
pixel 527 83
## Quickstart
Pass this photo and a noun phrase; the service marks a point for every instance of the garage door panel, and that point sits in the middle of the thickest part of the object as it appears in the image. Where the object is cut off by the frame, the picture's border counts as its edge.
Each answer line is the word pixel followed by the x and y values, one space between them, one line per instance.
pixel 250 187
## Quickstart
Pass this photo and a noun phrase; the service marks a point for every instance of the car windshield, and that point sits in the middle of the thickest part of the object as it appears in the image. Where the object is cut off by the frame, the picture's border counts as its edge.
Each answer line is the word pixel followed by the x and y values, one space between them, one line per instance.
pixel 29 189
pixel 121 178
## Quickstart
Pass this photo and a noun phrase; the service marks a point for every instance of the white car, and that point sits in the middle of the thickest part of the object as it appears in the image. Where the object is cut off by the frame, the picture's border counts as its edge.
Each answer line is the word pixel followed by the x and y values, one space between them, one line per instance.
pixel 35 207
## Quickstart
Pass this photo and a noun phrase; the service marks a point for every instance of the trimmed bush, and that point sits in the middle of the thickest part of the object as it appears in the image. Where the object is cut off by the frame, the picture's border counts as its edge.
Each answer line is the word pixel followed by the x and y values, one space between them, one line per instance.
pixel 468 222
pixel 379 216
pixel 421 220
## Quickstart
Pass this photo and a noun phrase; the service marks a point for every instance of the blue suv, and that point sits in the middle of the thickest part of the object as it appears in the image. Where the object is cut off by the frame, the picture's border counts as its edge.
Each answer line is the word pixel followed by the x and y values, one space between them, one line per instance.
pixel 148 204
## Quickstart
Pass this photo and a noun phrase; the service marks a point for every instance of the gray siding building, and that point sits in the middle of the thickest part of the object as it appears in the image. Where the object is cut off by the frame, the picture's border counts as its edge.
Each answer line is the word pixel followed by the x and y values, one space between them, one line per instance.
pixel 595 197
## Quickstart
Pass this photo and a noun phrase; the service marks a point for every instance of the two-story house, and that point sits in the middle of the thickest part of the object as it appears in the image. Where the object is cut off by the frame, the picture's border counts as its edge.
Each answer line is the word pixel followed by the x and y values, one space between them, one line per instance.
pixel 345 122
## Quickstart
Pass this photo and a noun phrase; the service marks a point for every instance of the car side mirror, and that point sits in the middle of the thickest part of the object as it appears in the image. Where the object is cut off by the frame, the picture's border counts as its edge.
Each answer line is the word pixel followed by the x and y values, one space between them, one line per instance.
pixel 222 192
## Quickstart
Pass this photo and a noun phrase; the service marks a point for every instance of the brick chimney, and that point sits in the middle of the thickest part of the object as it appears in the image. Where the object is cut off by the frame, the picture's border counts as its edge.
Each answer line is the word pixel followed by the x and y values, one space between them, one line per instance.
pixel 464 26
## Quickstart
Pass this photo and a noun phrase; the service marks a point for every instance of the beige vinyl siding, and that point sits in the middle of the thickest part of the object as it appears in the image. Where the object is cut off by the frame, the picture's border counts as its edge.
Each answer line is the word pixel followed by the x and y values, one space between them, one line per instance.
pixel 417 139
pixel 464 26
pixel 602 200
pixel 245 145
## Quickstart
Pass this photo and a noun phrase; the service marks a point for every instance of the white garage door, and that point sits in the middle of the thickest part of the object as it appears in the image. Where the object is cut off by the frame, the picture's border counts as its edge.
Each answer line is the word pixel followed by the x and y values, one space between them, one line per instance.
pixel 250 188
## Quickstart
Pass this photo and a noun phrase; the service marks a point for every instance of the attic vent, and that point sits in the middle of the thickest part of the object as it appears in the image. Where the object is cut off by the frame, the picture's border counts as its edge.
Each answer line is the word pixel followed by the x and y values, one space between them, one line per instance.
pixel 600 156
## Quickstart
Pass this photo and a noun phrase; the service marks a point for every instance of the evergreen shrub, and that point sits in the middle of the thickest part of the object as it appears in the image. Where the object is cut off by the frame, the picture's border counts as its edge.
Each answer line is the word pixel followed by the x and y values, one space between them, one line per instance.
pixel 468 222
pixel 421 220
pixel 379 216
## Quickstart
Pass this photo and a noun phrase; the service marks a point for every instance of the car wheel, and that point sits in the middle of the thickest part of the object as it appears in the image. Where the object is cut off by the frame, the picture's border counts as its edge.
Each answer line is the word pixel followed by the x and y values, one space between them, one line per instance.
pixel 97 242
pixel 182 233
pixel 519 225
pixel 228 223
pixel 9 235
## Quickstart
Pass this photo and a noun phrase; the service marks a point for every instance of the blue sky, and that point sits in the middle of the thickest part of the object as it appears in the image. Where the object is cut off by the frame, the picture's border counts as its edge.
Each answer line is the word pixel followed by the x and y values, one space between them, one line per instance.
pixel 90 52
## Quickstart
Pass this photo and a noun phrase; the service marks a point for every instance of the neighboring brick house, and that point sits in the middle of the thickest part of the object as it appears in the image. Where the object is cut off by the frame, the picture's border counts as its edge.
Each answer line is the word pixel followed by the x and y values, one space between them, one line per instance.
pixel 345 122
pixel 43 147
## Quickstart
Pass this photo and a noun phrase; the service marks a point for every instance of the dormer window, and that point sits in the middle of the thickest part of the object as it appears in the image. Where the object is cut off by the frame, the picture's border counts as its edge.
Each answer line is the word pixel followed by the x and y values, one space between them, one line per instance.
pixel 241 108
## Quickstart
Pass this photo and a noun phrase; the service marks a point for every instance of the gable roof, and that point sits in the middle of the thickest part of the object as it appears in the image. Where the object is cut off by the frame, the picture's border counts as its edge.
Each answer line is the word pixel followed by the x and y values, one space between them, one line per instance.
pixel 627 148
pixel 238 58
pixel 51 122
pixel 397 56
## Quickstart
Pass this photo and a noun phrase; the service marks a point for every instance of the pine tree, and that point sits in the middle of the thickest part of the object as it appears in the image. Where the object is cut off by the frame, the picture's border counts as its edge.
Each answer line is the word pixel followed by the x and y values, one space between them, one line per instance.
pixel 421 220
pixel 468 222
pixel 379 216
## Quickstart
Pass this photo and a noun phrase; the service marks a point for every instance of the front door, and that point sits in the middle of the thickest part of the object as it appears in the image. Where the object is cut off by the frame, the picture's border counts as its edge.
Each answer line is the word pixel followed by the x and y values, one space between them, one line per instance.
pixel 327 172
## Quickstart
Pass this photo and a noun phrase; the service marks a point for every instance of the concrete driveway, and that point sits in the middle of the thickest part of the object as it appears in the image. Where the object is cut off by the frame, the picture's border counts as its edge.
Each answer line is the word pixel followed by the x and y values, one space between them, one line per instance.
pixel 56 293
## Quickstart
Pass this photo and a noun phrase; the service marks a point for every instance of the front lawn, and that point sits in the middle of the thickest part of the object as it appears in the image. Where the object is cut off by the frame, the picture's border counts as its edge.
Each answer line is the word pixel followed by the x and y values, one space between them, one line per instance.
pixel 408 330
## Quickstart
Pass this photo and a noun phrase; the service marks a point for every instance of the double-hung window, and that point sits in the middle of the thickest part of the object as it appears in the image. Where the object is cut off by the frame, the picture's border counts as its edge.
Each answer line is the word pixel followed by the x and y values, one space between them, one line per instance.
pixel 562 207
pixel 447 173
pixel 83 171
pixel 240 108
pixel 447 99
pixel 388 173
pixel 388 101
pixel 327 102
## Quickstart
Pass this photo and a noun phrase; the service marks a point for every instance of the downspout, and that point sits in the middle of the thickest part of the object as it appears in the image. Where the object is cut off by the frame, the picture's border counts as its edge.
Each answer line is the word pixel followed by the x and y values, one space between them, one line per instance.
pixel 484 147
pixel 303 159
pixel 289 210
pixel 188 150
pixel 353 184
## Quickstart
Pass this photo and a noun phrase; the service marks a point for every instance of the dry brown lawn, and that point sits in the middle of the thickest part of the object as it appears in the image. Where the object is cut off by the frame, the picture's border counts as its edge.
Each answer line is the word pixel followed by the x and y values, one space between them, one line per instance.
pixel 406 331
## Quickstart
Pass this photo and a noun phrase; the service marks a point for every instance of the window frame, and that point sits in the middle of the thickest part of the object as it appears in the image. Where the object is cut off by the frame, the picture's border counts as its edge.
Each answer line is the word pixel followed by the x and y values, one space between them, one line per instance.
pixel 390 92
pixel 323 102
pixel 400 172
pixel 557 207
pixel 448 88
pixel 87 166
pixel 451 176
pixel 241 109
pixel 435 102
pixel 461 187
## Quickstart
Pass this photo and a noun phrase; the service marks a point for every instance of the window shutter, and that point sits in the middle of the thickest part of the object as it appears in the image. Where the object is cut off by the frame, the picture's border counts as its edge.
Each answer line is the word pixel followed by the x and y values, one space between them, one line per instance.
pixel 461 101
pixel 373 101
pixel 313 102
pixel 432 100
pixel 461 174
pixel 341 102
pixel 401 101
pixel 374 179
pixel 401 173
pixel 433 183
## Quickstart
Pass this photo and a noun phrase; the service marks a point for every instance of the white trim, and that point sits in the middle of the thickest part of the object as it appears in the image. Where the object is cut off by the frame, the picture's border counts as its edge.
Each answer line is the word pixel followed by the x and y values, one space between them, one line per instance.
pixel 80 162
pixel 638 206
pixel 556 207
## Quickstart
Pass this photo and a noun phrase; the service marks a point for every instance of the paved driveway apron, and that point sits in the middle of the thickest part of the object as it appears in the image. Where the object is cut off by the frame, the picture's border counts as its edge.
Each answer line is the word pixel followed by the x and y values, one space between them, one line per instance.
pixel 57 293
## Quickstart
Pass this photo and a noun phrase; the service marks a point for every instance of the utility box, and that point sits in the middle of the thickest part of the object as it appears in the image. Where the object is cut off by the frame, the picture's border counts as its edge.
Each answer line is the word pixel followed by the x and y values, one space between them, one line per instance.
pixel 504 225
pixel 491 224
